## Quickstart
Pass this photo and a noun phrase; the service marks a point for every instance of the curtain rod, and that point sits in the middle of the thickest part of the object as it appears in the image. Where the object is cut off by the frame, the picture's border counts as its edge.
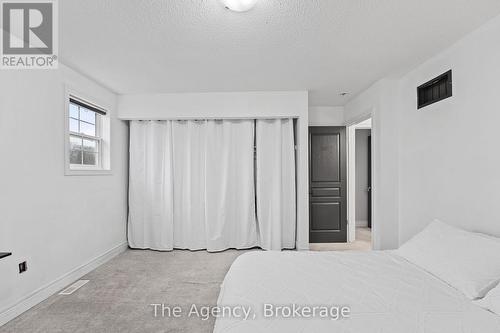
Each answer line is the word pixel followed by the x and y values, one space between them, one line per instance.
pixel 210 118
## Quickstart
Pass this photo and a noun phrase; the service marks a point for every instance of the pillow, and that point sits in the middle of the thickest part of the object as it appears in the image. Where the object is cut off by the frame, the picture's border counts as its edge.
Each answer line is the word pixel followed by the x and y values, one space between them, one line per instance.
pixel 468 261
pixel 491 301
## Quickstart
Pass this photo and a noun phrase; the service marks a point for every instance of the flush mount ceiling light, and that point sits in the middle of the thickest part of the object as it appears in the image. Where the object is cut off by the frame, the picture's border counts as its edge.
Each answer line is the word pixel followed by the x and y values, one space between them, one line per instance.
pixel 239 5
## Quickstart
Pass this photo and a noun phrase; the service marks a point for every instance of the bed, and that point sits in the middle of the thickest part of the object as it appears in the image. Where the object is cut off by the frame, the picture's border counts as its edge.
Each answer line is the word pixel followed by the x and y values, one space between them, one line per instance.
pixel 384 292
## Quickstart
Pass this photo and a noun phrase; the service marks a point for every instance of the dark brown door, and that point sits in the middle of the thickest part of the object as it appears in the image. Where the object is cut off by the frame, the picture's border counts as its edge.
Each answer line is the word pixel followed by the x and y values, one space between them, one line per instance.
pixel 327 185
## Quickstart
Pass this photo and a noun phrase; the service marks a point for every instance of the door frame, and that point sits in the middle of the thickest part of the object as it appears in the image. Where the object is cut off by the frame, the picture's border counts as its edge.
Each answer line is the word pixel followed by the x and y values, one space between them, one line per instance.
pixel 351 175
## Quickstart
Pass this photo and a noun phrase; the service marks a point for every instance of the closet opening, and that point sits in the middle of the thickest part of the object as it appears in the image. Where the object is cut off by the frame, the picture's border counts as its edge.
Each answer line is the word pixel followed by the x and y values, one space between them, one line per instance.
pixel 213 184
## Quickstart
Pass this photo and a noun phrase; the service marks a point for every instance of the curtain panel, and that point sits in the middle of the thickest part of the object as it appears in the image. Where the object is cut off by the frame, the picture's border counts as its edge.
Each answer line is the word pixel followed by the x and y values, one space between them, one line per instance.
pixel 275 183
pixel 193 185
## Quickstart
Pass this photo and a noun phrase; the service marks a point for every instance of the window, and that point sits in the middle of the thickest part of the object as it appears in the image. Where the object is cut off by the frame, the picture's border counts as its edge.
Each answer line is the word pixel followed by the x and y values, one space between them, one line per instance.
pixel 86 138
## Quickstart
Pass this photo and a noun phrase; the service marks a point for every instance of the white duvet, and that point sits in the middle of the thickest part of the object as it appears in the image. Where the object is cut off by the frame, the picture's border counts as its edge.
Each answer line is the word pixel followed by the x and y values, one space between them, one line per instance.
pixel 384 292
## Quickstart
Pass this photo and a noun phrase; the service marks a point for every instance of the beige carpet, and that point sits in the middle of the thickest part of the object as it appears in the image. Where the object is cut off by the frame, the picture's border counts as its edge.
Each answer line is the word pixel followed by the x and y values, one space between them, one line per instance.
pixel 119 295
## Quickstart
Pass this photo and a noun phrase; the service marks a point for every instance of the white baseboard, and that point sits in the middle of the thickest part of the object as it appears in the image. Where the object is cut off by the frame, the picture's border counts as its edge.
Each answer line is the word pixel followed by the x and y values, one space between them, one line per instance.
pixel 51 288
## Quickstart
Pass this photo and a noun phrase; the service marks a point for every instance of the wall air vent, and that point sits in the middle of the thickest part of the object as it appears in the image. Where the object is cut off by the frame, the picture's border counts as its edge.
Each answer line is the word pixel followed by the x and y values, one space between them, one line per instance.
pixel 74 287
pixel 435 90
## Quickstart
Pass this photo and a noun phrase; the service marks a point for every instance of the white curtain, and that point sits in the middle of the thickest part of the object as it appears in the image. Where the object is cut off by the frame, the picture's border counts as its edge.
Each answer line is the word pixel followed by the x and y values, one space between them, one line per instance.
pixel 275 183
pixel 230 190
pixel 188 140
pixel 191 185
pixel 150 185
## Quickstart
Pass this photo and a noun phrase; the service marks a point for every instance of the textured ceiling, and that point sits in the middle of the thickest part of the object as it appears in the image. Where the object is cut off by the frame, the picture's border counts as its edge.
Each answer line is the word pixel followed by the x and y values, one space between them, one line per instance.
pixel 324 46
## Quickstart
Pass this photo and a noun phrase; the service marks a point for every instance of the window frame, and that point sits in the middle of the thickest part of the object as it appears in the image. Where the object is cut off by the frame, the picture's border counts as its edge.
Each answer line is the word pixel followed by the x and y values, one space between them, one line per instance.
pixel 97 138
pixel 80 169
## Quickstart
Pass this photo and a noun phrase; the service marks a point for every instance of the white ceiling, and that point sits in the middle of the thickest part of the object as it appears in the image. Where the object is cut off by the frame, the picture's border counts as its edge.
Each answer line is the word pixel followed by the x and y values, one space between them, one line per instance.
pixel 324 46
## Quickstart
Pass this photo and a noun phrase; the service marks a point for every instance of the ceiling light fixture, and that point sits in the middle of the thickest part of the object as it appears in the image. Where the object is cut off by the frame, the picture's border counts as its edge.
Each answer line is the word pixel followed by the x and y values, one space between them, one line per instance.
pixel 239 5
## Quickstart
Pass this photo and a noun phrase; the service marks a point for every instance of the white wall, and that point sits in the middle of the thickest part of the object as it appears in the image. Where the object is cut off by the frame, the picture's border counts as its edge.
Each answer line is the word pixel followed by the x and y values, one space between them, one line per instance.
pixel 213 105
pixel 440 161
pixel 378 103
pixel 326 116
pixel 57 223
pixel 235 105
pixel 449 152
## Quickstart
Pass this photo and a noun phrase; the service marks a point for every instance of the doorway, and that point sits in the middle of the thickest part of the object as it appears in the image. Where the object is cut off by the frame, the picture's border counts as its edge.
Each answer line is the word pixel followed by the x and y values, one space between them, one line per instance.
pixel 360 183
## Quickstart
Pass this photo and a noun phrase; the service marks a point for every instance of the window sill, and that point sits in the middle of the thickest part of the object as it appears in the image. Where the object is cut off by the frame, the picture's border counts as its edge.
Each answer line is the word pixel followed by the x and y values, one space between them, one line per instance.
pixel 88 172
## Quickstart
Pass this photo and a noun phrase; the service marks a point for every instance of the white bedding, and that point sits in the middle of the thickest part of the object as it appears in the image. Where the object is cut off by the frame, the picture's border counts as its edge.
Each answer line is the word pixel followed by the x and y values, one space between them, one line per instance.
pixel 385 293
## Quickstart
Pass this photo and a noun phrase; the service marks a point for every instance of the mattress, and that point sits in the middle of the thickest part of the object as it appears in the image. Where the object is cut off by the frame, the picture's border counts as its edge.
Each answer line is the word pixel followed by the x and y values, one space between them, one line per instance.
pixel 383 292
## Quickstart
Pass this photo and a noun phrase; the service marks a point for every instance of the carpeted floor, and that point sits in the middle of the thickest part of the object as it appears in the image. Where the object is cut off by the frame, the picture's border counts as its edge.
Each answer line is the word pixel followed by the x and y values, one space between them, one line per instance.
pixel 119 294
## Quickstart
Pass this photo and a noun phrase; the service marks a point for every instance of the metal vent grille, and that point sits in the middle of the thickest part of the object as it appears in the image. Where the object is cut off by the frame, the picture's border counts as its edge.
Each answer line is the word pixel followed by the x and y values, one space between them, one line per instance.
pixel 435 90
pixel 74 287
